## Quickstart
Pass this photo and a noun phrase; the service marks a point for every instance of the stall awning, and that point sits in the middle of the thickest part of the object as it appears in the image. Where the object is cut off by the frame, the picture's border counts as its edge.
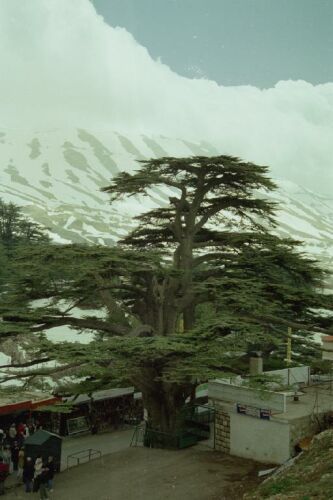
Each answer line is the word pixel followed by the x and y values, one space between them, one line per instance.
pixel 100 395
pixel 44 402
pixel 6 408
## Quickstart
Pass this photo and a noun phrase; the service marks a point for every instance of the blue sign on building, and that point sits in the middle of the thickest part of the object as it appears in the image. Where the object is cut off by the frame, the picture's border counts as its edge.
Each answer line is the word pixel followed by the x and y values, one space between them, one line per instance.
pixel 252 411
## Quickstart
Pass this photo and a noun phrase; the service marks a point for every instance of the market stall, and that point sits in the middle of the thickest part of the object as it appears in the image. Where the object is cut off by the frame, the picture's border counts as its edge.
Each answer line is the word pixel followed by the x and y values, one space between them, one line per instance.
pixel 16 408
pixel 101 410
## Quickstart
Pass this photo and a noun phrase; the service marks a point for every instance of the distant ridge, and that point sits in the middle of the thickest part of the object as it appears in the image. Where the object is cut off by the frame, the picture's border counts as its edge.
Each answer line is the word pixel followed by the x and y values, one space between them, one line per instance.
pixel 56 176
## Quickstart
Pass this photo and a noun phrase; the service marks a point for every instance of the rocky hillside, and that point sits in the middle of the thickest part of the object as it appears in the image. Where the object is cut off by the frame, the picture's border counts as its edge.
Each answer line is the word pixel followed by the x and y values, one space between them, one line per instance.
pixel 309 477
pixel 57 175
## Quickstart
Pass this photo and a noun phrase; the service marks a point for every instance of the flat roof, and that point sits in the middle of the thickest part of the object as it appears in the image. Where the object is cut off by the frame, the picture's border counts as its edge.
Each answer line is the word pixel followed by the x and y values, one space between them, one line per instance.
pixel 100 395
pixel 314 399
pixel 11 403
pixel 16 397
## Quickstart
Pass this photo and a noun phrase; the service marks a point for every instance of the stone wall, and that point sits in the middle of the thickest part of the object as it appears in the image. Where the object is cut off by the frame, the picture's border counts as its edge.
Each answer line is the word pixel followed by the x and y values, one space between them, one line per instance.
pixel 244 436
pixel 222 431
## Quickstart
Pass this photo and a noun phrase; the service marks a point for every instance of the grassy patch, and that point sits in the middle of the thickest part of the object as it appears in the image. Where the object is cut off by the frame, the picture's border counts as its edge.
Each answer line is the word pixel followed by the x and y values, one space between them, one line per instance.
pixel 279 486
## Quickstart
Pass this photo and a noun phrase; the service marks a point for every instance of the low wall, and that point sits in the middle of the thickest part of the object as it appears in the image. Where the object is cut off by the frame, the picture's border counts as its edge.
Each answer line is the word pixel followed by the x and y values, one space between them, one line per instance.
pixel 244 436
pixel 222 431
pixel 295 375
pixel 265 441
pixel 270 400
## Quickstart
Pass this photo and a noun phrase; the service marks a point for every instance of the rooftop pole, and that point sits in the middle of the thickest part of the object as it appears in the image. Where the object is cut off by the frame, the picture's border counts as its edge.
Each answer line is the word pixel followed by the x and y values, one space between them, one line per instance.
pixel 289 345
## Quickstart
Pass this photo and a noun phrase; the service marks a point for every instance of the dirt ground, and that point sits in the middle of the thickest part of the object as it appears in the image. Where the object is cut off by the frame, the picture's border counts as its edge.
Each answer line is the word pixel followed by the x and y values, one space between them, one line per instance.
pixel 149 474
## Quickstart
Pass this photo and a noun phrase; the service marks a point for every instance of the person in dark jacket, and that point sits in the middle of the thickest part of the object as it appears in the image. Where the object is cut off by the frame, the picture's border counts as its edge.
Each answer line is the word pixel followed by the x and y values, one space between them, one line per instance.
pixel 15 455
pixel 2 439
pixel 50 466
pixel 43 481
pixel 28 474
pixel 4 473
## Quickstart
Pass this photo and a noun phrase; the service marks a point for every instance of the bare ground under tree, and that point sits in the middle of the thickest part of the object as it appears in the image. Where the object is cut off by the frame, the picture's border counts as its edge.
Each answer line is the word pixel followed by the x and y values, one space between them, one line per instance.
pixel 151 474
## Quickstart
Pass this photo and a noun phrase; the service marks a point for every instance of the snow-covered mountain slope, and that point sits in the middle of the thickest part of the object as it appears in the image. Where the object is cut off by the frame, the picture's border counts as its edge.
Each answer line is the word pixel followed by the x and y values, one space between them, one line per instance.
pixel 57 175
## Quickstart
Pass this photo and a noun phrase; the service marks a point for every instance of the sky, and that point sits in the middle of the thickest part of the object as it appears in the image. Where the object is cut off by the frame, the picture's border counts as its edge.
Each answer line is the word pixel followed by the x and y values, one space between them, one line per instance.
pixel 64 66
pixel 235 42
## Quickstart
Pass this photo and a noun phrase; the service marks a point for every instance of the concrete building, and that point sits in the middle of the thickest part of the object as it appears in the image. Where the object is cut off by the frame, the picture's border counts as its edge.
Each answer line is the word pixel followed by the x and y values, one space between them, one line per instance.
pixel 266 425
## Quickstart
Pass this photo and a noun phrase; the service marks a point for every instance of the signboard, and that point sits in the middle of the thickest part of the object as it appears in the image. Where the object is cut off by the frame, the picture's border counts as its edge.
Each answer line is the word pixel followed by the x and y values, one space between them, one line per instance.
pixel 252 411
pixel 76 425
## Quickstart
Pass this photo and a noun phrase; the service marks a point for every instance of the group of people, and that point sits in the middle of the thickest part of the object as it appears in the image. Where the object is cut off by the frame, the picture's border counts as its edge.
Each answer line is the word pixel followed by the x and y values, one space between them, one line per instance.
pixel 39 476
pixel 35 474
pixel 18 432
pixel 12 445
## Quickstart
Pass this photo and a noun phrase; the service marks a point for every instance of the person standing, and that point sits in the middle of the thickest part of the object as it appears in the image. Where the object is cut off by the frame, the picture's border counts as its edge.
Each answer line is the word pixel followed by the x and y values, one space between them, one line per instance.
pixel 28 474
pixel 2 439
pixel 15 455
pixel 12 433
pixel 7 457
pixel 20 428
pixel 37 473
pixel 4 473
pixel 20 464
pixel 31 428
pixel 26 432
pixel 50 466
pixel 43 482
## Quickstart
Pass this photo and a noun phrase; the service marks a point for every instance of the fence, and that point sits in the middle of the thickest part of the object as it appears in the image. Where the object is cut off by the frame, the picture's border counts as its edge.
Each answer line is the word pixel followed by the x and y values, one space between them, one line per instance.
pixel 80 456
pixel 194 426
pixel 152 438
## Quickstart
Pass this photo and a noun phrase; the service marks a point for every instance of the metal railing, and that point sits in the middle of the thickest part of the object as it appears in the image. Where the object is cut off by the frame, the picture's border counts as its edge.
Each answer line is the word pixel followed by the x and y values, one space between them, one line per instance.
pixel 194 425
pixel 138 435
pixel 151 438
pixel 80 456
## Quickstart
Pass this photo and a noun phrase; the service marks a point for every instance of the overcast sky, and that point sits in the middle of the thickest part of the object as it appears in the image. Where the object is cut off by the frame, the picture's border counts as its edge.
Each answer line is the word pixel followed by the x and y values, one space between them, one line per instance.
pixel 63 66
pixel 235 42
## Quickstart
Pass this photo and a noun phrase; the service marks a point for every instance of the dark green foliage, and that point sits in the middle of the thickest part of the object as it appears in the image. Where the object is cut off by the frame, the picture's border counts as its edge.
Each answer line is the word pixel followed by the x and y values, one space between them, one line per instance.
pixel 190 291
pixel 15 228
pixel 16 232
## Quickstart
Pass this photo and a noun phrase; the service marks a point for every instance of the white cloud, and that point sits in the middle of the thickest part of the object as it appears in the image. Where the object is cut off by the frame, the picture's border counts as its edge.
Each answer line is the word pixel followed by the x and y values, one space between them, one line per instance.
pixel 62 66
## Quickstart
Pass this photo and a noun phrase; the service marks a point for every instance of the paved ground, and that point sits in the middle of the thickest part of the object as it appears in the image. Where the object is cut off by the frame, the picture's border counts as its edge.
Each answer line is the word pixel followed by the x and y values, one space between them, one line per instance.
pixel 196 473
pixel 106 443
pixel 149 474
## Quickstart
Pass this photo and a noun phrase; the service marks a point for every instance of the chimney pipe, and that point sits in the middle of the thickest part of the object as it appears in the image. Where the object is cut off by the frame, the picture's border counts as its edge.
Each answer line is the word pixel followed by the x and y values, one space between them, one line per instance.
pixel 256 364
